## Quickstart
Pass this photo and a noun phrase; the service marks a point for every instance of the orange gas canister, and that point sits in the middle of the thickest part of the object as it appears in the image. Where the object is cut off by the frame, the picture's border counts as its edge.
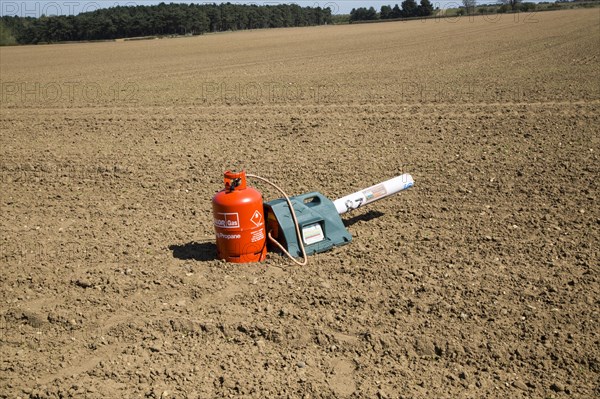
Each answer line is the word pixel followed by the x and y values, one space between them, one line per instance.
pixel 239 221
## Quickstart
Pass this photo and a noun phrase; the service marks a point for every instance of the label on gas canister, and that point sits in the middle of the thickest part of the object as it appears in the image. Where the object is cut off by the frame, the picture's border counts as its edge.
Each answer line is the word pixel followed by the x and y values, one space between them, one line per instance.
pixel 227 220
pixel 258 235
pixel 229 236
pixel 257 218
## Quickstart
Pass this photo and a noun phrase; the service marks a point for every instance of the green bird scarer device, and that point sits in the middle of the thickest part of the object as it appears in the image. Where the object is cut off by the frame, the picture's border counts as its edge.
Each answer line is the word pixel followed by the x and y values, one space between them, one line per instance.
pixel 300 225
pixel 319 218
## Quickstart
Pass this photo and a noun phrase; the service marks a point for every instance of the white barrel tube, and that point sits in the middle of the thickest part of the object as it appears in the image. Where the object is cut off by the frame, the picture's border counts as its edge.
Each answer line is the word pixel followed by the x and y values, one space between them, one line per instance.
pixel 373 193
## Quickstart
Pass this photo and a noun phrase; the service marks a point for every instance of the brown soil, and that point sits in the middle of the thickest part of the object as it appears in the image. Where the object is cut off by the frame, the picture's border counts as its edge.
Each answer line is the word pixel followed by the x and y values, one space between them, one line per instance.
pixel 482 281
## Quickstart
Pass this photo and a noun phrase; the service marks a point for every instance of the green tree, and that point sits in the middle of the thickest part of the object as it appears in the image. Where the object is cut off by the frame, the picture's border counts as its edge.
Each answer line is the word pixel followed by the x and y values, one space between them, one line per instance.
pixel 161 19
pixel 409 8
pixel 386 12
pixel 371 14
pixel 513 4
pixel 425 8
pixel 525 7
pixel 358 14
pixel 363 14
pixel 6 35
pixel 470 6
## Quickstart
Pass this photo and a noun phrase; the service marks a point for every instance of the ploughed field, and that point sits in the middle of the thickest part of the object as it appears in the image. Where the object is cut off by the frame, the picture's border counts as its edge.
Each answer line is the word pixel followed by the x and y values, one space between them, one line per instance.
pixel 480 281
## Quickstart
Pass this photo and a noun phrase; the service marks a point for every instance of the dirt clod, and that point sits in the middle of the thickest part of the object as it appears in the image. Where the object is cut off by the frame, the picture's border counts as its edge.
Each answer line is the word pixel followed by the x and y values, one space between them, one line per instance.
pixel 557 387
pixel 520 385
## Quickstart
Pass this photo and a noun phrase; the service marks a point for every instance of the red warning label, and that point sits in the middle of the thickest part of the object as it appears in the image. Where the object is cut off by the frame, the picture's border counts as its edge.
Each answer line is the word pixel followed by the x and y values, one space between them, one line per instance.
pixel 257 218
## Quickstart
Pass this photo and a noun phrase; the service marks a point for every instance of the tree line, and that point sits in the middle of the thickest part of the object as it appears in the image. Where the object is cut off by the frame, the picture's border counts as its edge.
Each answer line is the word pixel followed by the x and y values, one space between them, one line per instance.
pixel 158 20
pixel 409 9
pixel 471 7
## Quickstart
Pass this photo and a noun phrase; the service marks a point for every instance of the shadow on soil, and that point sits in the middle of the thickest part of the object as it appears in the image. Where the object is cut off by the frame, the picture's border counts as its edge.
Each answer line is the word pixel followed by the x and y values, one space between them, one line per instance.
pixel 207 251
pixel 365 217
pixel 202 251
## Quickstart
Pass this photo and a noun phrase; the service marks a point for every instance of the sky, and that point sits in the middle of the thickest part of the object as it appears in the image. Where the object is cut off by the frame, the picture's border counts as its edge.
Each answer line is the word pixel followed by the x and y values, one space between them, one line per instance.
pixel 35 8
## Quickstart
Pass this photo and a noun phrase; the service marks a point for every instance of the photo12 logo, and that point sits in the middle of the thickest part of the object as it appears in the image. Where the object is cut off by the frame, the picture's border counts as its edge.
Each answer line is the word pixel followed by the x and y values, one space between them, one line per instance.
pixel 265 92
pixel 52 92
pixel 36 9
